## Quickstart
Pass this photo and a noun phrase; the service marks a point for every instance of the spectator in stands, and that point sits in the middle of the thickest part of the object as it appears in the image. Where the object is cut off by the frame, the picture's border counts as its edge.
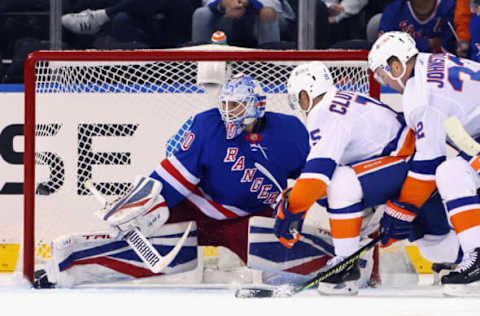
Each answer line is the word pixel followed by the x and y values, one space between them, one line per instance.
pixel 462 18
pixel 429 22
pixel 339 21
pixel 246 22
pixel 475 30
pixel 158 23
pixel 24 5
pixel 24 25
pixel 374 11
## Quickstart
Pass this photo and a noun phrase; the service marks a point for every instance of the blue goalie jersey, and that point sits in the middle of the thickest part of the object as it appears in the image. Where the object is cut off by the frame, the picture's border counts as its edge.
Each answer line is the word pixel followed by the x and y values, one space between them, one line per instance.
pixel 218 175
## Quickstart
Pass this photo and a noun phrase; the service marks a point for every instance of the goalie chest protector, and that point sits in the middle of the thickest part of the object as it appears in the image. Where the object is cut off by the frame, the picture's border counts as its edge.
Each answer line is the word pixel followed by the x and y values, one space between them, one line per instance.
pixel 212 171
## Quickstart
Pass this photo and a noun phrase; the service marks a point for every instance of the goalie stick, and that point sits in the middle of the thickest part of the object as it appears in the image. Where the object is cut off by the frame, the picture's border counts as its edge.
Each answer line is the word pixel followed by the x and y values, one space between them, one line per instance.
pixel 460 137
pixel 140 244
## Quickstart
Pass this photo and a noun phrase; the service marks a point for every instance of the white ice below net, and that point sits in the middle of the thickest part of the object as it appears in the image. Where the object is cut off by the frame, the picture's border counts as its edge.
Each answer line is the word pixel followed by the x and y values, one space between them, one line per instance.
pixel 423 300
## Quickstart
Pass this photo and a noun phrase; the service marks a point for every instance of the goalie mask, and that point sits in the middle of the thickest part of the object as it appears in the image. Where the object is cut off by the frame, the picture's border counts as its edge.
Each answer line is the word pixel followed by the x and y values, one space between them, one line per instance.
pixel 314 78
pixel 391 44
pixel 241 102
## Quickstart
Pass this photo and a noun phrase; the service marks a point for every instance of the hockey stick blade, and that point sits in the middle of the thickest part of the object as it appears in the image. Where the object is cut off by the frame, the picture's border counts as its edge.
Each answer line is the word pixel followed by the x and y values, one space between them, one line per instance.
pixel 460 137
pixel 140 244
pixel 147 252
pixel 286 291
pixel 168 258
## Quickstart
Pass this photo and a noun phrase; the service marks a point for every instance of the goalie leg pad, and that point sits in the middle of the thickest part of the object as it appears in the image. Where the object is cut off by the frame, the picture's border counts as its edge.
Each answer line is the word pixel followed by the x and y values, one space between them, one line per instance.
pixel 100 258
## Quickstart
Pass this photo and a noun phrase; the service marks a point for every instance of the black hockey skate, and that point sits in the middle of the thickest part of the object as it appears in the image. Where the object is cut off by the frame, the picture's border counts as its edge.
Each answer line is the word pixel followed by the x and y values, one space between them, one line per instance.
pixel 441 269
pixel 464 280
pixel 341 283
pixel 41 280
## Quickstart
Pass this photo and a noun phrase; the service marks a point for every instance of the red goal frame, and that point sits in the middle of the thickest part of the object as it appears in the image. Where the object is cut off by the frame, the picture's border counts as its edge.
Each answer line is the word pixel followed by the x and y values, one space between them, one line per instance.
pixel 139 55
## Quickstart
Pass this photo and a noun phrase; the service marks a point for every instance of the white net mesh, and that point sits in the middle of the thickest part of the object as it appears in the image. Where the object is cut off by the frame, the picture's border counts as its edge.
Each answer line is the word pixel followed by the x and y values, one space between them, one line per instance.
pixel 109 121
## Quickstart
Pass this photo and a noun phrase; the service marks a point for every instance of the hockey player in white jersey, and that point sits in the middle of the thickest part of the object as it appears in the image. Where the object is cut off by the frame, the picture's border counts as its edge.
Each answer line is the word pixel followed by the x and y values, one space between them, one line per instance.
pixel 434 87
pixel 356 142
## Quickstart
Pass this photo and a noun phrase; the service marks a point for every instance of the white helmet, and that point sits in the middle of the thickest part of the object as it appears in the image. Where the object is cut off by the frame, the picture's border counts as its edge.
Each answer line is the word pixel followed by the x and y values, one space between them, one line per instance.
pixel 314 78
pixel 390 44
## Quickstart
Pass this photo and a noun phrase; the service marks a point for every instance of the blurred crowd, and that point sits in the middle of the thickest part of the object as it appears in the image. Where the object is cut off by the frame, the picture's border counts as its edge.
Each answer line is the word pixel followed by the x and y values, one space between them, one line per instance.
pixel 436 25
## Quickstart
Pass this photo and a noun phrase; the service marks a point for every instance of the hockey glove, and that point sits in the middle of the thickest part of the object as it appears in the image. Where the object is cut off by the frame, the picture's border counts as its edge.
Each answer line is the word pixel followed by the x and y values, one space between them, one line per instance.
pixel 396 223
pixel 287 225
pixel 140 207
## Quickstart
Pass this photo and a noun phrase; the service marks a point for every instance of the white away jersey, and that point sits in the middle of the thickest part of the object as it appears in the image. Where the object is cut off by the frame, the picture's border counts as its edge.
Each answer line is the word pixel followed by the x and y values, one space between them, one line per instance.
pixel 443 85
pixel 347 127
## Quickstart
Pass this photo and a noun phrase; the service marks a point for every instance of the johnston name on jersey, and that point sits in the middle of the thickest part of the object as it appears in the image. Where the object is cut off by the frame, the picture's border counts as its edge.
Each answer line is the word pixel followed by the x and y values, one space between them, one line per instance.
pixel 218 175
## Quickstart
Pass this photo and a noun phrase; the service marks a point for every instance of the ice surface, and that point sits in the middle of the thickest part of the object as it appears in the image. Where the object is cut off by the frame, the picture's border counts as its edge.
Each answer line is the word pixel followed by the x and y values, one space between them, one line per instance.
pixel 424 300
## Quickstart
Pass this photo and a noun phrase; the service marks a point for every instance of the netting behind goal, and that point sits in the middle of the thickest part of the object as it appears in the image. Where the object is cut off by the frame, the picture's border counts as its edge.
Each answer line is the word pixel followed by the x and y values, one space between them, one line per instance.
pixel 107 116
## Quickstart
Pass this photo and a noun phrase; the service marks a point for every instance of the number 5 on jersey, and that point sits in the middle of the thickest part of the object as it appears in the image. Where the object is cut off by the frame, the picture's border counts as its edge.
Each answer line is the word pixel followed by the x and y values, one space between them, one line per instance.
pixel 315 136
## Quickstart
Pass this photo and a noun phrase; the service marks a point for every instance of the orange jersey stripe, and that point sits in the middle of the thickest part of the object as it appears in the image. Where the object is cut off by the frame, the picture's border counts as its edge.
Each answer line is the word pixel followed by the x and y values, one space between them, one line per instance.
pixel 465 220
pixel 345 228
pixel 408 146
pixel 416 191
pixel 305 193
pixel 475 163
pixel 369 165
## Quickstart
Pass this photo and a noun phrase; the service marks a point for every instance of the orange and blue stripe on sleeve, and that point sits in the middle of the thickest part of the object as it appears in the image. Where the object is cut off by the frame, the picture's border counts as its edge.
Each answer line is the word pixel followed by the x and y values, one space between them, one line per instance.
pixel 305 193
pixel 312 184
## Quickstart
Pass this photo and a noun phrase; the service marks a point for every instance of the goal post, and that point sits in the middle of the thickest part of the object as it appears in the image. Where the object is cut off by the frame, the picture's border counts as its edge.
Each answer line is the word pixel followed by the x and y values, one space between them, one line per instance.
pixel 90 115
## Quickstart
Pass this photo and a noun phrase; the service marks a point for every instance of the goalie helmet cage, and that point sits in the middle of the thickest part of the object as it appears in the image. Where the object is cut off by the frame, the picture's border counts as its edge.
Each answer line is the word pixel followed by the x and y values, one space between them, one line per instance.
pixel 91 89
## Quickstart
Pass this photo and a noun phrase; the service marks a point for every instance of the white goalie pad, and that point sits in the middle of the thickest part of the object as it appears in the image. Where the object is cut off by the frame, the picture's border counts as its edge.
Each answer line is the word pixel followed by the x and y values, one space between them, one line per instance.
pixel 141 207
pixel 101 258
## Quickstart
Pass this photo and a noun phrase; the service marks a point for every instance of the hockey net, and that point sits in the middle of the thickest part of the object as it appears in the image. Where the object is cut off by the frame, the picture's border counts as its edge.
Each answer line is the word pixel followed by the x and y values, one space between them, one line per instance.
pixel 107 116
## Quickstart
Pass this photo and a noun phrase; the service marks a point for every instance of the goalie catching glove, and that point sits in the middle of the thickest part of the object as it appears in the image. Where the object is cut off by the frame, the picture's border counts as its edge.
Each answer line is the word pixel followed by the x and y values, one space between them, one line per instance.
pixel 287 224
pixel 396 223
pixel 142 207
